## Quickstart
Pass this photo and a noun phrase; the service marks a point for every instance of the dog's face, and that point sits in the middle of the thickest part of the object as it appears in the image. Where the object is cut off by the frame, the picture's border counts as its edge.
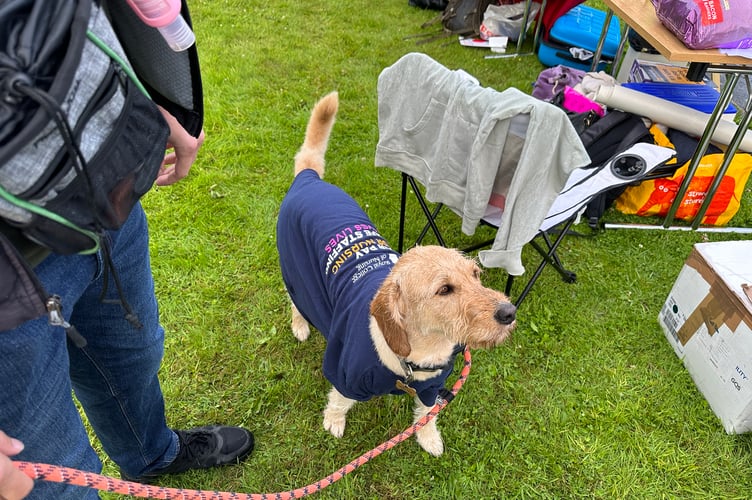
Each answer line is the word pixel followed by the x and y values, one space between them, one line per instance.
pixel 433 298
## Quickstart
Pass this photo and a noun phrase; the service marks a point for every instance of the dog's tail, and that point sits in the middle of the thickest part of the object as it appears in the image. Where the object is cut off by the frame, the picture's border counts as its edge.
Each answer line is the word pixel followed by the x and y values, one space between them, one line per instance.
pixel 311 154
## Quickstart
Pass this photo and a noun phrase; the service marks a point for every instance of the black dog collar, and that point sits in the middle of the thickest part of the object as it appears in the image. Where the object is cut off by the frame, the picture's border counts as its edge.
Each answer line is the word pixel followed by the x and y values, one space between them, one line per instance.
pixel 410 368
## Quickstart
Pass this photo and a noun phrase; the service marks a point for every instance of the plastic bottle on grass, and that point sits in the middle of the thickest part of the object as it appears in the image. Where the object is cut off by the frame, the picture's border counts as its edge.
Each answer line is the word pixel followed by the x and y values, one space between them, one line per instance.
pixel 165 16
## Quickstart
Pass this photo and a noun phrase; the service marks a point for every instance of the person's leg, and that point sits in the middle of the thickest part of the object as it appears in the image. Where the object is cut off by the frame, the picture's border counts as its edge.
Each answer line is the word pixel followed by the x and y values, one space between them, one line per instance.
pixel 115 375
pixel 35 393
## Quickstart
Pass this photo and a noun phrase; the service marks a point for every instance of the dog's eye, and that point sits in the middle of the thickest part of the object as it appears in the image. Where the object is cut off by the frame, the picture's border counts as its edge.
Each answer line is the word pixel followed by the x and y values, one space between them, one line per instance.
pixel 445 290
pixel 476 273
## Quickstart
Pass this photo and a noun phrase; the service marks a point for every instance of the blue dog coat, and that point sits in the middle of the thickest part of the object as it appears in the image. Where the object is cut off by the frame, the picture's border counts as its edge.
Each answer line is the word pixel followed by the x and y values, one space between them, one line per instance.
pixel 333 262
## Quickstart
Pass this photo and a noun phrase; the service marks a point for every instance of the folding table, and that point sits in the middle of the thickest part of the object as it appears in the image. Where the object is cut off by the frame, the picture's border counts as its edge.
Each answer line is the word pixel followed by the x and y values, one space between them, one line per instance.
pixel 640 16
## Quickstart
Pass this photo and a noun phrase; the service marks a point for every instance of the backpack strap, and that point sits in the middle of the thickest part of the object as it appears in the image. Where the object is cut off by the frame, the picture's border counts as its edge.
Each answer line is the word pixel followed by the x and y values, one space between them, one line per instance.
pixel 181 94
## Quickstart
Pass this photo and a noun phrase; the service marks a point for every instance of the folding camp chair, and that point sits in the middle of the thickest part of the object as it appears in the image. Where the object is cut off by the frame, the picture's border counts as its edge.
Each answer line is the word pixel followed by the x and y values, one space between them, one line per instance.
pixel 497 158
pixel 548 253
pixel 640 162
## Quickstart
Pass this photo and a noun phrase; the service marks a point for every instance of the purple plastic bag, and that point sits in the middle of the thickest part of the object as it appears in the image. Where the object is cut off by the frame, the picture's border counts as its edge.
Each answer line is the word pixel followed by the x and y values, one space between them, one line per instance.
pixel 552 80
pixel 708 24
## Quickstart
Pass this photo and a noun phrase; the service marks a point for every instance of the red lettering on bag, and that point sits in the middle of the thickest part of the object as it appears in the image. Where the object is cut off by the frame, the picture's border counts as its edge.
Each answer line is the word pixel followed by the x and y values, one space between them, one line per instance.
pixel 665 190
pixel 711 11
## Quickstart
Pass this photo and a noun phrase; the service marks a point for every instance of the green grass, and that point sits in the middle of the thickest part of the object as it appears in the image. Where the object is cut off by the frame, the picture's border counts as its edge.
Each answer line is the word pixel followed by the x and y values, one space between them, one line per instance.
pixel 587 399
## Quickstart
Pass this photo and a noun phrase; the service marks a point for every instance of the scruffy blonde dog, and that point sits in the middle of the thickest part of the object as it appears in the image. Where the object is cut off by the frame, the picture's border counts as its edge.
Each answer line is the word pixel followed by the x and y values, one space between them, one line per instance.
pixel 393 324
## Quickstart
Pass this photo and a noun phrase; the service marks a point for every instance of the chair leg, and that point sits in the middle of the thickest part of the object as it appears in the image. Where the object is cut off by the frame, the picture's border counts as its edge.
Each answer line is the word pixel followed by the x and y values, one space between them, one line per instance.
pixel 508 287
pixel 430 215
pixel 566 275
pixel 403 203
pixel 549 257
pixel 553 259
pixel 431 225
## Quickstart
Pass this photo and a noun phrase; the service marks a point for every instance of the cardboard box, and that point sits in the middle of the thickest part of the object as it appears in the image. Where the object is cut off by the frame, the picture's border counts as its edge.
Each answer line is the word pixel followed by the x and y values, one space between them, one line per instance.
pixel 628 61
pixel 707 318
pixel 654 71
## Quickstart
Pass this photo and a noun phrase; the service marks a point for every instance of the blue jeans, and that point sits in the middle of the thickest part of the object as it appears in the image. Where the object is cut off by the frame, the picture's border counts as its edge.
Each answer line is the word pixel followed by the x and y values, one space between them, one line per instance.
pixel 114 376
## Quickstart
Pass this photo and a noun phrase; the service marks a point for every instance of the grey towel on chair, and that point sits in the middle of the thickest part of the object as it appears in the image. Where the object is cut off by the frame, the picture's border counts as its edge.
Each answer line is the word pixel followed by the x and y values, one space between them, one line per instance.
pixel 456 137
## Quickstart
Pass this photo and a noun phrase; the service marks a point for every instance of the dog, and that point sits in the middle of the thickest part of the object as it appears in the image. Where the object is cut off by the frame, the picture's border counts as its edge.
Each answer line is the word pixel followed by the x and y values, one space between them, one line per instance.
pixel 393 324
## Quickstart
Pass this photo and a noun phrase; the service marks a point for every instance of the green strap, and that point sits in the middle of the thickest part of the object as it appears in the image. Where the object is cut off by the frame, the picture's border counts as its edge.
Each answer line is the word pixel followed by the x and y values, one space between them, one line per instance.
pixel 116 57
pixel 52 216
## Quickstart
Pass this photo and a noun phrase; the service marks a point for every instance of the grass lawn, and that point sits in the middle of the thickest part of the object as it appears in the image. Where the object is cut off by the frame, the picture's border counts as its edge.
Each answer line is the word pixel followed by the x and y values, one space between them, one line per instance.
pixel 586 400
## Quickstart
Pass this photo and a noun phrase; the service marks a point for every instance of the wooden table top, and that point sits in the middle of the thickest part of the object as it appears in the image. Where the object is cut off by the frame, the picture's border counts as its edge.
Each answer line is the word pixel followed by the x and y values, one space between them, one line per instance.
pixel 640 16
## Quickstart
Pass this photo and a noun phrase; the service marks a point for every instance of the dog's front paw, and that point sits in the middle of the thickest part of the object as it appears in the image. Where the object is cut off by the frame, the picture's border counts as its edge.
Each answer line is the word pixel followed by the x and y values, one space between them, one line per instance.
pixel 334 422
pixel 430 440
pixel 335 412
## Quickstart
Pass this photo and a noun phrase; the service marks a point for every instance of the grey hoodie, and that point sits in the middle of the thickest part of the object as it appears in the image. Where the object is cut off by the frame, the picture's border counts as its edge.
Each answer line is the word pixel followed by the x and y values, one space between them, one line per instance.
pixel 456 137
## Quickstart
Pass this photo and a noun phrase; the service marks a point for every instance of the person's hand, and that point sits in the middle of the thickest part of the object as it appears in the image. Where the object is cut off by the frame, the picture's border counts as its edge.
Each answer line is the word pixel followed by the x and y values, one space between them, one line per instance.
pixel 184 148
pixel 14 484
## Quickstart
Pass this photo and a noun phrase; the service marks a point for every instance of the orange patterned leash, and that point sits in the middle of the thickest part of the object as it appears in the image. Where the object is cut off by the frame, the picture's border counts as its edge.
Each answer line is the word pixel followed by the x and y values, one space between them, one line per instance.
pixel 58 474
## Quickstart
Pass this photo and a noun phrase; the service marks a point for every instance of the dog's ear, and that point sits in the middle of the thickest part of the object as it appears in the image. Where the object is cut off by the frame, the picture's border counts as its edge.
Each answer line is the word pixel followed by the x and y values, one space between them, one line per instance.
pixel 386 311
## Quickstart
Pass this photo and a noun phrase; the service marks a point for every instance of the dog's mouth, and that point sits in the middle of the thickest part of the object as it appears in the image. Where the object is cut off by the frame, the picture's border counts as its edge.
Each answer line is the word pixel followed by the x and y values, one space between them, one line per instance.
pixel 492 338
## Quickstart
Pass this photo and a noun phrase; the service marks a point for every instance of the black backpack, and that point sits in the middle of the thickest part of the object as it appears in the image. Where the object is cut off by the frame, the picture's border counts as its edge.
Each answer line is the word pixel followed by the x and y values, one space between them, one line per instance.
pixel 80 141
pixel 428 4
pixel 74 153
pixel 603 138
pixel 459 18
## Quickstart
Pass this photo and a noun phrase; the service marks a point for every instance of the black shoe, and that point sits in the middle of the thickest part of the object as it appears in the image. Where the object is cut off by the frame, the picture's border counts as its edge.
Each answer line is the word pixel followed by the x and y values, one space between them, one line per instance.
pixel 201 448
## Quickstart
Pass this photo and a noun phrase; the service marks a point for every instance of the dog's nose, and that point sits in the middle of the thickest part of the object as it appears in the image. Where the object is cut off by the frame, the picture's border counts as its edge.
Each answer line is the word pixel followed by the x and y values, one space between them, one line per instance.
pixel 505 313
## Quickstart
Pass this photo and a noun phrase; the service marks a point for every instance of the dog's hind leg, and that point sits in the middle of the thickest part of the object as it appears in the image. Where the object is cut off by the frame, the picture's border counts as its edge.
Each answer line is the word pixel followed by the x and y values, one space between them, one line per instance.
pixel 335 413
pixel 299 324
pixel 428 436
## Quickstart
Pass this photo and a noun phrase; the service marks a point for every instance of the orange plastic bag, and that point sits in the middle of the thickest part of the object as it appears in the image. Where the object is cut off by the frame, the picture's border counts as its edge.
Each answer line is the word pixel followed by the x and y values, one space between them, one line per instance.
pixel 655 196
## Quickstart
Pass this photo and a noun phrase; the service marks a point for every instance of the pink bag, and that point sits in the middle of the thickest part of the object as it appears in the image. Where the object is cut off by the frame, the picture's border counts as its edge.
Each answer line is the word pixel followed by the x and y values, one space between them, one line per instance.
pixel 707 24
pixel 578 103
